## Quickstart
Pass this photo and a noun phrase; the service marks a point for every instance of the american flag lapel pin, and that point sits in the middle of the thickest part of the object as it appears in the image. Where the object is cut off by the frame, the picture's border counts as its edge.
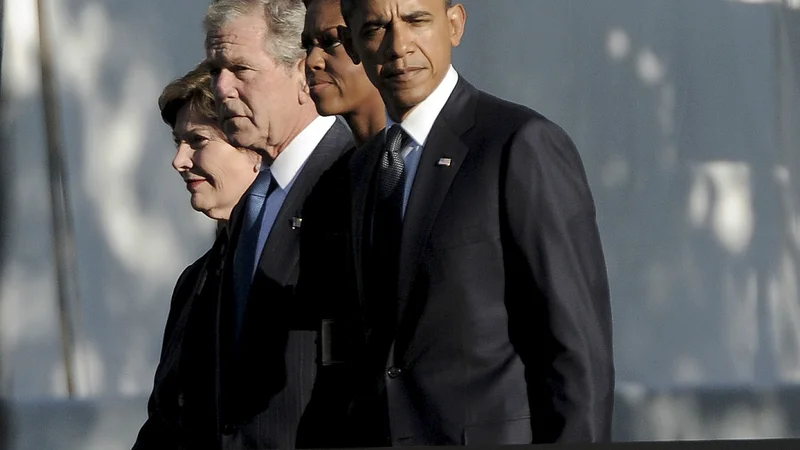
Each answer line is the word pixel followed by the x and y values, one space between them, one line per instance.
pixel 444 162
pixel 296 222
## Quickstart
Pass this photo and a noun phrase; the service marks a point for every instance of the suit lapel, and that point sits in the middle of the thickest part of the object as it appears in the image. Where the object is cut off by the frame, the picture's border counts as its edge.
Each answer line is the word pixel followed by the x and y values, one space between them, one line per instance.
pixel 265 321
pixel 276 260
pixel 432 182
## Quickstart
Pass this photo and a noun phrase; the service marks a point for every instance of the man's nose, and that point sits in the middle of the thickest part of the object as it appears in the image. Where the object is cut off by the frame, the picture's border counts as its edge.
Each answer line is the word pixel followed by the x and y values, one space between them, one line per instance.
pixel 401 40
pixel 224 85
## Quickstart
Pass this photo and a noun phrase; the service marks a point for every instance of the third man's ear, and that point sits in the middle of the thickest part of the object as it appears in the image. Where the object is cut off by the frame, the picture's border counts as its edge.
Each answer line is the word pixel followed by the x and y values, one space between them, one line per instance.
pixel 457 16
pixel 347 41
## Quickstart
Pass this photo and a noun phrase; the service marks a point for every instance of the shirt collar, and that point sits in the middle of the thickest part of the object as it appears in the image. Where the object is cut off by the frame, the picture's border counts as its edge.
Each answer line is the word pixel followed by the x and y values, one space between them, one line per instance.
pixel 285 167
pixel 419 122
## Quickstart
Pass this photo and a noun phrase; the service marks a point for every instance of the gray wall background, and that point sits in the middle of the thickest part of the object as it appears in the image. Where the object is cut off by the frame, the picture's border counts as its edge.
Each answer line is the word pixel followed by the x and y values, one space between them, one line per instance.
pixel 686 113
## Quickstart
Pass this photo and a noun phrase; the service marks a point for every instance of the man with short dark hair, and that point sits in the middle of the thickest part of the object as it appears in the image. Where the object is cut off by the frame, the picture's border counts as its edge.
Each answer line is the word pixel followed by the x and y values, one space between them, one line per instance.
pixel 481 275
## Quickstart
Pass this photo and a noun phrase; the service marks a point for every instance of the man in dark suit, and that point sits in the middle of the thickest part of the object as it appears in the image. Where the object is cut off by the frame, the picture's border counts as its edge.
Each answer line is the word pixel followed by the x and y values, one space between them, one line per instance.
pixel 484 297
pixel 235 371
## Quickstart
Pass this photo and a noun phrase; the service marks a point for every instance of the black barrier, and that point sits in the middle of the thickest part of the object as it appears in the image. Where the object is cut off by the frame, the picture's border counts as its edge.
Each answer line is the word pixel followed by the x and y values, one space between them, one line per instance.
pixel 749 444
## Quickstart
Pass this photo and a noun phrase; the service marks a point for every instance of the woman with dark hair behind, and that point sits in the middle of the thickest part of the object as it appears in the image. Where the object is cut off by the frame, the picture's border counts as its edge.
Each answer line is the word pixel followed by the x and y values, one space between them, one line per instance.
pixel 337 85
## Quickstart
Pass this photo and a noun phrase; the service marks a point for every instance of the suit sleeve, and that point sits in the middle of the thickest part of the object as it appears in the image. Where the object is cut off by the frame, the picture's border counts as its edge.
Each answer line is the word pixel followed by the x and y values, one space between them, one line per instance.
pixel 560 316
pixel 156 433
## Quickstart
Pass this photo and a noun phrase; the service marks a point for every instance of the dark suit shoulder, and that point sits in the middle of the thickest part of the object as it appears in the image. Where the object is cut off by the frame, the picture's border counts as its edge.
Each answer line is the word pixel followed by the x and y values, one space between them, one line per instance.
pixel 336 142
pixel 516 126
pixel 506 117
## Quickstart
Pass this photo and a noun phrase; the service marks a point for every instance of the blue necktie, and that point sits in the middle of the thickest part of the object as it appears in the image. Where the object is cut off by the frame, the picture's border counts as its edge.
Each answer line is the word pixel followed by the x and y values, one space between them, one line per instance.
pixel 247 253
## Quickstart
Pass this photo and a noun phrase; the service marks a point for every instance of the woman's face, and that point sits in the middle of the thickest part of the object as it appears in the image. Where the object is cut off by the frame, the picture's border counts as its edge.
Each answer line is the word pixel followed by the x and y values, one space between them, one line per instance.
pixel 337 85
pixel 215 172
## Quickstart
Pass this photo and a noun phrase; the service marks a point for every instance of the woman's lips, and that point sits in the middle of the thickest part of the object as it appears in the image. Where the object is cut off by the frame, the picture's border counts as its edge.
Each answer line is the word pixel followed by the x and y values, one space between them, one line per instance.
pixel 193 184
pixel 318 86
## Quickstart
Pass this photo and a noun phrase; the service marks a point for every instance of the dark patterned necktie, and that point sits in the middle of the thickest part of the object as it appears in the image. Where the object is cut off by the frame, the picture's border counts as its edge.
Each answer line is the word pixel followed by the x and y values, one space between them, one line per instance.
pixel 387 218
pixel 383 263
pixel 391 181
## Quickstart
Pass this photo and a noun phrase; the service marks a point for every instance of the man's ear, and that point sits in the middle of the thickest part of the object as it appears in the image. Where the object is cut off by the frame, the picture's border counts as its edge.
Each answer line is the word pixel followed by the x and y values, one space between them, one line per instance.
pixel 347 40
pixel 304 94
pixel 457 16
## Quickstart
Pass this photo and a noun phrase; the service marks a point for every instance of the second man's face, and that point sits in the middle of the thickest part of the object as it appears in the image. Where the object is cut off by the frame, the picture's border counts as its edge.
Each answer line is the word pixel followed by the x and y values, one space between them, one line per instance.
pixel 405 46
pixel 255 94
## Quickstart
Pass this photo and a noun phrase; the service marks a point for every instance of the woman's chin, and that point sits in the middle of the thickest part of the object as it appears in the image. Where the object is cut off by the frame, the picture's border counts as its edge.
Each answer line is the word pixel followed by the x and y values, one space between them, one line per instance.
pixel 214 213
pixel 327 107
pixel 198 206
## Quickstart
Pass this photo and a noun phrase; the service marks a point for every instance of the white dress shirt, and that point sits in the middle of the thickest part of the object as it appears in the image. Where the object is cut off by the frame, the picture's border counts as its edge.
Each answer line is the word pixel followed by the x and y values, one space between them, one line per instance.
pixel 284 170
pixel 418 126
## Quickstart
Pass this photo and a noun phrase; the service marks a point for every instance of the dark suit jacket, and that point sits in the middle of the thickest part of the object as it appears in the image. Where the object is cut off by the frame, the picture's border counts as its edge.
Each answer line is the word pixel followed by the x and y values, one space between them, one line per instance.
pixel 211 397
pixel 502 310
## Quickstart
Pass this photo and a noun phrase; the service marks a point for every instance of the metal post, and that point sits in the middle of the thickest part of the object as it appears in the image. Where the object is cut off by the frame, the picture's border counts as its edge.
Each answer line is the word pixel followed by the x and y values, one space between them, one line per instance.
pixel 5 428
pixel 63 242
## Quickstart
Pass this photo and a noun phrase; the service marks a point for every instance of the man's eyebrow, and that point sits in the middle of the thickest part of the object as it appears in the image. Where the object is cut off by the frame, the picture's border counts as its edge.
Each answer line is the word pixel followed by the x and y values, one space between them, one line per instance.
pixel 223 60
pixel 377 22
pixel 416 15
pixel 310 35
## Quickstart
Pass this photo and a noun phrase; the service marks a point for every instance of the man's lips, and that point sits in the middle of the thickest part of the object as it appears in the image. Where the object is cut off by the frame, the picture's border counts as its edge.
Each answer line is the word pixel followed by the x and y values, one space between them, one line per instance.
pixel 399 75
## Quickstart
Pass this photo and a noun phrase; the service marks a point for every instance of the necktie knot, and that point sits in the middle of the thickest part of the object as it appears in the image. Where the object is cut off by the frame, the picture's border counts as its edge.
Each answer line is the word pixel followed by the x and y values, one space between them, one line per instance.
pixel 262 185
pixel 392 167
pixel 256 195
pixel 395 138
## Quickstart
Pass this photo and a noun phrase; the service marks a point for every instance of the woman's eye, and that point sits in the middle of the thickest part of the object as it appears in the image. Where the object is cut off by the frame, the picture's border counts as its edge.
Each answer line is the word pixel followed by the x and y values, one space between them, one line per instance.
pixel 329 44
pixel 198 141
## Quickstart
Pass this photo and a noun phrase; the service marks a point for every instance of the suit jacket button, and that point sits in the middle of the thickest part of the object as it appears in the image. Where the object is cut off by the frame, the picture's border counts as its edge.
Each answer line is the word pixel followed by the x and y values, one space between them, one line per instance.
pixel 180 400
pixel 394 372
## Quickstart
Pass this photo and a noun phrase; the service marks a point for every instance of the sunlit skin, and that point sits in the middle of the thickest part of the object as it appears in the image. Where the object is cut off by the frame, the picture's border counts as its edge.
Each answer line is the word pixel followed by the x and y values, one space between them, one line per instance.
pixel 262 104
pixel 216 173
pixel 337 85
pixel 405 47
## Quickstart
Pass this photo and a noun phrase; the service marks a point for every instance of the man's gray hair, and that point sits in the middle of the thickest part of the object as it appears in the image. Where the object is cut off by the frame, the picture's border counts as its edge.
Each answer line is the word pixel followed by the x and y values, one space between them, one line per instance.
pixel 284 19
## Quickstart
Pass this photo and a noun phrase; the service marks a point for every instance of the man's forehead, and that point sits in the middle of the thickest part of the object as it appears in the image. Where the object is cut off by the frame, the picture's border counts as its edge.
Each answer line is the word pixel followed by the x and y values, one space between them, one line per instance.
pixel 244 30
pixel 383 7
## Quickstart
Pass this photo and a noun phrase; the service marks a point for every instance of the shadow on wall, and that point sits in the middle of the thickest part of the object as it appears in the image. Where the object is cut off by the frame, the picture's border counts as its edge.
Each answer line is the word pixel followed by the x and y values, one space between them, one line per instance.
pixel 673 108
pixel 135 230
pixel 704 414
pixel 675 113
